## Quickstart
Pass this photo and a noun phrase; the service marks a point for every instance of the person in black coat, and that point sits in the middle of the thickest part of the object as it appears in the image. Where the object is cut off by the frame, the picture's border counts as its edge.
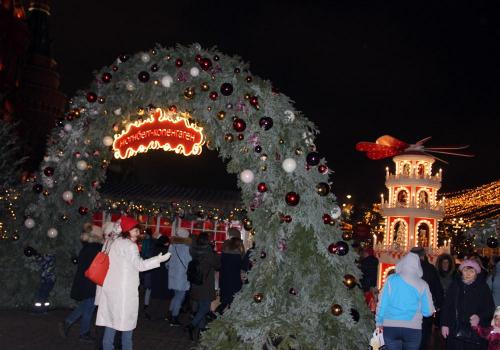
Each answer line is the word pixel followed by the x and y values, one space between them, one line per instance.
pixel 159 283
pixel 466 297
pixel 230 281
pixel 369 267
pixel 430 276
pixel 83 289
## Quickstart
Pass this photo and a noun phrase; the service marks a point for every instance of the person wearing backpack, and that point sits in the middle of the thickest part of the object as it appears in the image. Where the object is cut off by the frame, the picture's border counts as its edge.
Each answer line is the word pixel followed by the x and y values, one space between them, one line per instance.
pixel 177 272
pixel 202 277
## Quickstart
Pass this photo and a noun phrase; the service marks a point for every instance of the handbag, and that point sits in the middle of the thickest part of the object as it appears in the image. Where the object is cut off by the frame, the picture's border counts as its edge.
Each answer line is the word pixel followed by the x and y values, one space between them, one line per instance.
pixel 377 341
pixel 99 267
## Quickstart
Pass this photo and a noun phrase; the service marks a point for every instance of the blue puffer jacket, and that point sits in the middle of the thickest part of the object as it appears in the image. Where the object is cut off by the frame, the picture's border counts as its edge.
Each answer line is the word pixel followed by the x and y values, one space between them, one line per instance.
pixel 405 297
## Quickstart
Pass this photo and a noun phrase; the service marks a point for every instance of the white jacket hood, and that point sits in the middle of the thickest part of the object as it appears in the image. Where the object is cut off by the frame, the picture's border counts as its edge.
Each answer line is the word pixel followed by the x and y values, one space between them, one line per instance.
pixel 410 266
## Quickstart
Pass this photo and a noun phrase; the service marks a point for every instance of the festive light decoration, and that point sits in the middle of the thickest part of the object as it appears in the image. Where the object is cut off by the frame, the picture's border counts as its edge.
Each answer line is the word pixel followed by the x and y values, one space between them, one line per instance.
pixel 473 204
pixel 162 130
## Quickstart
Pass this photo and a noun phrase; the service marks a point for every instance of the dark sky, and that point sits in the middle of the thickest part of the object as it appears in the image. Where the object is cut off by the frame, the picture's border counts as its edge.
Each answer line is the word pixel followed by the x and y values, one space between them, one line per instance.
pixel 358 69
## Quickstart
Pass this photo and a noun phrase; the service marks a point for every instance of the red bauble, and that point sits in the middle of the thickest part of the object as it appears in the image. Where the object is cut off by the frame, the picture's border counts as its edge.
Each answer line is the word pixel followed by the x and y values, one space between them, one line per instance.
pixel 248 79
pixel 205 64
pixel 213 95
pixel 254 101
pixel 326 219
pixel 178 63
pixel 83 210
pixel 332 248
pixel 114 68
pixel 292 291
pixel 239 125
pixel 237 70
pixel 106 77
pixel 37 188
pixel 197 58
pixel 48 171
pixel 172 108
pixel 91 97
pixel 262 187
pixel 263 255
pixel 292 199
pixel 287 219
pixel 322 168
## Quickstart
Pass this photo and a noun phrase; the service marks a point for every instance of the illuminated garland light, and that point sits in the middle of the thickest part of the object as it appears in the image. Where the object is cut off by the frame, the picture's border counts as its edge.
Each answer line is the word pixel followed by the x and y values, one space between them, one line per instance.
pixel 169 131
pixel 474 204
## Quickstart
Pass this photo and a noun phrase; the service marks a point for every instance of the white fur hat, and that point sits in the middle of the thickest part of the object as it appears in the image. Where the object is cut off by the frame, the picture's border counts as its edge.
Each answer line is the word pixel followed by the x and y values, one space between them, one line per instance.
pixel 182 232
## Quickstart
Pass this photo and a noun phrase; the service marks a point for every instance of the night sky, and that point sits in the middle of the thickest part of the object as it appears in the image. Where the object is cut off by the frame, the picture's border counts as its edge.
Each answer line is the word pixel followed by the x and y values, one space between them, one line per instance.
pixel 358 69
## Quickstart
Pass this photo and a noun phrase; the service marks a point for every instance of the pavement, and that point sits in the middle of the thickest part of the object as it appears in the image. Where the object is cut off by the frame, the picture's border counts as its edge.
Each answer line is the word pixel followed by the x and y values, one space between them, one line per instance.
pixel 25 330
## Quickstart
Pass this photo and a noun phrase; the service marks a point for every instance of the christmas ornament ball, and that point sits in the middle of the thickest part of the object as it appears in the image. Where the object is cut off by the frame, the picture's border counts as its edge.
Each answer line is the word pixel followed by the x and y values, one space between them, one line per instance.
pixel 107 141
pixel 143 76
pixel 37 188
pixel 289 165
pixel 29 251
pixel 166 81
pixel 74 260
pixel 292 198
pixel 247 176
pixel 29 223
pixel 326 219
pixel 178 63
pixel 81 165
pixel 194 71
pixel 346 236
pixel 266 123
pixel 106 77
pixel 205 64
pixel 349 281
pixel 258 149
pixel 322 189
pixel 332 248
pixel 48 171
pixel 258 297
pixel 262 187
pixel 336 310
pixel 91 97
pixel 52 232
pixel 239 125
pixel 67 196
pixel 83 210
pixel 322 168
pixel 293 291
pixel 355 315
pixel 335 212
pixel 226 89
pixel 492 242
pixel 313 158
pixel 342 248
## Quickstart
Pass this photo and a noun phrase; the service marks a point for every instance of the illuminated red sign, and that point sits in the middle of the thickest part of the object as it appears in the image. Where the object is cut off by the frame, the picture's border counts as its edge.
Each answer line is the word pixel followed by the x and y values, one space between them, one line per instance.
pixel 161 130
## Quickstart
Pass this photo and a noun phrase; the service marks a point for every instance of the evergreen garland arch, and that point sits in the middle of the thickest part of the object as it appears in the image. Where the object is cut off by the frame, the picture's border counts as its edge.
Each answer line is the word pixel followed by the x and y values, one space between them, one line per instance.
pixel 297 297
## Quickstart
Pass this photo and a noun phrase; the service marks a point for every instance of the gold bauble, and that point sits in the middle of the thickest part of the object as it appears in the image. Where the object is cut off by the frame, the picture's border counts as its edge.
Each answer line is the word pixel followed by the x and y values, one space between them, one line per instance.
pixel 45 193
pixel 298 151
pixel 263 168
pixel 229 137
pixel 140 111
pixel 241 137
pixel 79 188
pixel 205 86
pixel 209 108
pixel 189 93
pixel 258 297
pixel 336 310
pixel 281 141
pixel 221 115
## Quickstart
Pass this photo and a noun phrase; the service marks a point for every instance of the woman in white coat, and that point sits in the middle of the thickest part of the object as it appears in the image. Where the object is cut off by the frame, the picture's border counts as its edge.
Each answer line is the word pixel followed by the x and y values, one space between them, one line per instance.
pixel 118 299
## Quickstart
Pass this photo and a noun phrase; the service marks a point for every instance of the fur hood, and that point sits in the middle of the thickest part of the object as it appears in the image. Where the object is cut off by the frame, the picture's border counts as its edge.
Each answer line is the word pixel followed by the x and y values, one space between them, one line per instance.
pixel 410 266
pixel 92 234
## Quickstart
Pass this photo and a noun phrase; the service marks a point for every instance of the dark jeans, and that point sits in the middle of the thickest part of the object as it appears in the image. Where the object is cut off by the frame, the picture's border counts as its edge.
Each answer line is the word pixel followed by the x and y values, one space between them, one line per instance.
pixel 203 309
pixel 397 338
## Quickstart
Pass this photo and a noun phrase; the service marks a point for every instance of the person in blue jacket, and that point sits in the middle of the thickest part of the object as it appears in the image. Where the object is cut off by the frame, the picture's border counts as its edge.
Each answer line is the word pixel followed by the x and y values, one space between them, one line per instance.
pixel 404 300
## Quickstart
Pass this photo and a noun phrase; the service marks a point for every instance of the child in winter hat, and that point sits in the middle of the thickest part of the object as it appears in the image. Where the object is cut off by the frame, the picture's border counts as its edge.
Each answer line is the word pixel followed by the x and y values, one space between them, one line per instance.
pixel 492 333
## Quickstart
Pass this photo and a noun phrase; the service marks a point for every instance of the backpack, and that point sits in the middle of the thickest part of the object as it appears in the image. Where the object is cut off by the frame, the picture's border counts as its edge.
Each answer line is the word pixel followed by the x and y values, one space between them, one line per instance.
pixel 194 273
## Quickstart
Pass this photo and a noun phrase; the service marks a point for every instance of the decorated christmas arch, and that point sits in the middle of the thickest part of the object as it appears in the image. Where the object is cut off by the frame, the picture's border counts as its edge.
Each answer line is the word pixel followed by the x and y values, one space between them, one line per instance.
pixel 302 291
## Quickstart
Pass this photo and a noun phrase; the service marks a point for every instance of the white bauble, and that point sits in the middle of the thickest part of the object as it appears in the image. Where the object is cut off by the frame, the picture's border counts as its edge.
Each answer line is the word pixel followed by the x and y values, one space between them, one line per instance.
pixel 81 165
pixel 67 196
pixel 290 116
pixel 335 212
pixel 48 181
pixel 194 72
pixel 52 232
pixel 117 111
pixel 68 127
pixel 167 81
pixel 289 165
pixel 145 58
pixel 247 176
pixel 107 141
pixel 130 86
pixel 29 223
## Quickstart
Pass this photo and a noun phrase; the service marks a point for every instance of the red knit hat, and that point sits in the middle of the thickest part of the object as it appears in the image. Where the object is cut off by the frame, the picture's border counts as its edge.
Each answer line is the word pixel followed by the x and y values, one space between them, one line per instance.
pixel 127 223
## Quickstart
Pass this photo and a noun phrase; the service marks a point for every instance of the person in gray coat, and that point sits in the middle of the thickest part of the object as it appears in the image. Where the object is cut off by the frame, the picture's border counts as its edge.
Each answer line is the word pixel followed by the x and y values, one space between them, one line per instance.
pixel 177 272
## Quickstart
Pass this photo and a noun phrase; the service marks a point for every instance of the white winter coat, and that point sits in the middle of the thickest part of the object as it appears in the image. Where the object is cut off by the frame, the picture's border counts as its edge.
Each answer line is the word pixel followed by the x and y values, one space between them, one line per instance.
pixel 118 298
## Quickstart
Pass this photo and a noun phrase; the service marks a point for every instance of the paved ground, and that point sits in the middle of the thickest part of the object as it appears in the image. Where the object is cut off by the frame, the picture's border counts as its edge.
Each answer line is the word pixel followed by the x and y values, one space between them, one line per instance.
pixel 22 330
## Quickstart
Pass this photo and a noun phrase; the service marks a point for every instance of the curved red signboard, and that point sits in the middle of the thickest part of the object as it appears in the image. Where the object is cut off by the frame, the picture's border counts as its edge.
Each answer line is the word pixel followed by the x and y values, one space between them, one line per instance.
pixel 161 130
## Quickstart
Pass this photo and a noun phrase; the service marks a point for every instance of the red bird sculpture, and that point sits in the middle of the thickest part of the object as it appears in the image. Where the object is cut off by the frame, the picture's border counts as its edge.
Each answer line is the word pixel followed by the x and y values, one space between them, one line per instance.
pixel 389 146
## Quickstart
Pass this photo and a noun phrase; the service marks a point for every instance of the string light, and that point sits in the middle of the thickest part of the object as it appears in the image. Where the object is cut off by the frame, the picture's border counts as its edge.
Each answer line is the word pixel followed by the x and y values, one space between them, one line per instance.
pixel 8 199
pixel 473 204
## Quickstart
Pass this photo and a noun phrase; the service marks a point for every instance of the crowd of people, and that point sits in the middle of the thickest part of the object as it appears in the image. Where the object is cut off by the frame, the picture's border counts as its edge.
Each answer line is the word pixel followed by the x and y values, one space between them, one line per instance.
pixel 177 275
pixel 418 297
